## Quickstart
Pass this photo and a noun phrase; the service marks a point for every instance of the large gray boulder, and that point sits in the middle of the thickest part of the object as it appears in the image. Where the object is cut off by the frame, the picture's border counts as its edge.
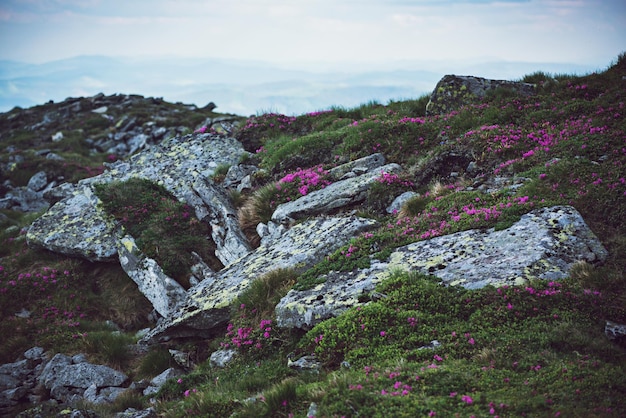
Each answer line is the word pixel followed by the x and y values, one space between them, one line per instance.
pixel 77 225
pixel 69 378
pixel 302 246
pixel 543 244
pixel 61 370
pixel 453 91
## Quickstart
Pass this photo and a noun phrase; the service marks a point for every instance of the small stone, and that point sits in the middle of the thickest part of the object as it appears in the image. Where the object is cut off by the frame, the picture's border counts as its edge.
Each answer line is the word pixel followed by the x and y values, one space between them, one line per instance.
pixel 100 110
pixel 38 181
pixel 158 381
pixel 304 363
pixel 614 331
pixel 312 412
pixel 23 313
pixel 35 353
pixel 433 344
pixel 399 201
pixel 221 358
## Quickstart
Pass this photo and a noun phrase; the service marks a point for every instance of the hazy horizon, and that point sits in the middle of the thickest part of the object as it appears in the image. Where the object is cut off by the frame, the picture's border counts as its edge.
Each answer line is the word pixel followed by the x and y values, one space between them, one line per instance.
pixel 242 86
pixel 256 55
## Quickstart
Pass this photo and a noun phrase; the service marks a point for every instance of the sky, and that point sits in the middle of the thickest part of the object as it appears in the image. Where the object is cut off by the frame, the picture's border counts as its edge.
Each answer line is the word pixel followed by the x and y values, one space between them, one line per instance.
pixel 318 35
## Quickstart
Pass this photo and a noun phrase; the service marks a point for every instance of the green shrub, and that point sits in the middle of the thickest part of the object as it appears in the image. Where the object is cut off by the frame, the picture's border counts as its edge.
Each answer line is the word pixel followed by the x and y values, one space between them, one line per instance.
pixel 538 77
pixel 288 153
pixel 265 292
pixel 414 206
pixel 220 172
pixel 257 208
pixel 110 347
pixel 154 362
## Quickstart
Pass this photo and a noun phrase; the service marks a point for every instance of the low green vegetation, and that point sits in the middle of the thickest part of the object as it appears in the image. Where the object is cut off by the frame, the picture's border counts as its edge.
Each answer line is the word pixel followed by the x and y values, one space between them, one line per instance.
pixel 421 349
pixel 164 228
pixel 426 349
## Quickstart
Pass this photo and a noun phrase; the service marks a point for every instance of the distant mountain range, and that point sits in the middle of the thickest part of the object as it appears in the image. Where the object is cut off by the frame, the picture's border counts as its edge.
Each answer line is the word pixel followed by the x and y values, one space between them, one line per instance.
pixel 239 87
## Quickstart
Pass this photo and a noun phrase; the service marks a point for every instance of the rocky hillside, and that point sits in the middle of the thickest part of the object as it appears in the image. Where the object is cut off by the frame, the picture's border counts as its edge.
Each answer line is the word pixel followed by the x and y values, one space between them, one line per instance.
pixel 461 253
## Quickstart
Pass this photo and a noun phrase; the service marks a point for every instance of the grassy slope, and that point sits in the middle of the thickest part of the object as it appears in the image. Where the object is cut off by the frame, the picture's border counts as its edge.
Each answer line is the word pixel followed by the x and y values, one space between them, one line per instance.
pixel 532 351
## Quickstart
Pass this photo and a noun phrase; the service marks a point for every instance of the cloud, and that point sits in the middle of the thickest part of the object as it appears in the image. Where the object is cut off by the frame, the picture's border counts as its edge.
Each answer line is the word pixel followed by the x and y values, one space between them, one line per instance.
pixel 315 32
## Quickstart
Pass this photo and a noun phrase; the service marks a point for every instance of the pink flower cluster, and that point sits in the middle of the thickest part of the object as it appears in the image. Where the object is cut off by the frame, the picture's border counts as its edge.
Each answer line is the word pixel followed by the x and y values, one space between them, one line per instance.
pixel 407 119
pixel 553 289
pixel 390 178
pixel 265 327
pixel 240 338
pixel 247 336
pixel 306 180
pixel 399 389
pixel 269 120
pixel 351 249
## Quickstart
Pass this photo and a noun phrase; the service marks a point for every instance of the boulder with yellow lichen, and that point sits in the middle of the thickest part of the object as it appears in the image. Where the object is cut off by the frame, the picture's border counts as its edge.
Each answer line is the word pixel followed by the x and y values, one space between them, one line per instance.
pixel 543 244
pixel 207 305
pixel 454 91
pixel 78 226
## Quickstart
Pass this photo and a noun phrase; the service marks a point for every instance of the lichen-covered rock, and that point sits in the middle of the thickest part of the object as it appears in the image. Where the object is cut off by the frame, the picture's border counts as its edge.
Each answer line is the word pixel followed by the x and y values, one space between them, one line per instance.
pixel 163 292
pixel 357 167
pixel 543 244
pixel 302 246
pixel 336 195
pixel 158 381
pixel 61 371
pixel 213 206
pixel 77 225
pixel 452 92
pixel 339 292
pixel 69 378
pixel 221 358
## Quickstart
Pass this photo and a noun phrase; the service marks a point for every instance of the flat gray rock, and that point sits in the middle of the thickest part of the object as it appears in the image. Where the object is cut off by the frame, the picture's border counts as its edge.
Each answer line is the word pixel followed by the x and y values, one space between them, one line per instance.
pixel 543 244
pixel 336 195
